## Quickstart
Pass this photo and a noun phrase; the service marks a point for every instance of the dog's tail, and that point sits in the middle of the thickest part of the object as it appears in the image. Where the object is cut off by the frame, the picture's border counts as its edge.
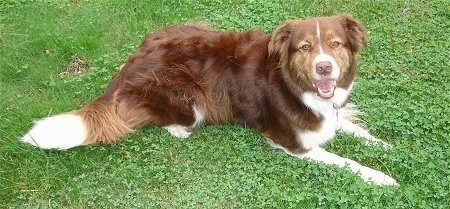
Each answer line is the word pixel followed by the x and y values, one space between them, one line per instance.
pixel 105 120
pixel 99 121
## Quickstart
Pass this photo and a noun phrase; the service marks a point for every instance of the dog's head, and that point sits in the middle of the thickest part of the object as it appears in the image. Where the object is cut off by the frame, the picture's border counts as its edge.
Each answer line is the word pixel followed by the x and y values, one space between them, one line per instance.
pixel 319 54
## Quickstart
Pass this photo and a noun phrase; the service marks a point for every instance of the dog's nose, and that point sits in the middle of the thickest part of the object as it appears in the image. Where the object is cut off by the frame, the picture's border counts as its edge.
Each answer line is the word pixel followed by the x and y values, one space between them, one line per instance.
pixel 324 68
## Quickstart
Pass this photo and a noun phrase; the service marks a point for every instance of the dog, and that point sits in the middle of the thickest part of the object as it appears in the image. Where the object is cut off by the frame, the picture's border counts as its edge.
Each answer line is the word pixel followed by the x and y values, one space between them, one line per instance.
pixel 291 86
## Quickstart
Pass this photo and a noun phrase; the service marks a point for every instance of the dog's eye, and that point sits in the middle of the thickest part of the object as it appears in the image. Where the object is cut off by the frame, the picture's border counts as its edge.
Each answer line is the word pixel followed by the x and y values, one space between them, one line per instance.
pixel 335 44
pixel 306 47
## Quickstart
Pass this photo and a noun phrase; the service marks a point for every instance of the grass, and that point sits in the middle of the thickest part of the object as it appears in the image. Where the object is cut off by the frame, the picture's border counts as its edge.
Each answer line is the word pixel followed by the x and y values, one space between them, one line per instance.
pixel 402 87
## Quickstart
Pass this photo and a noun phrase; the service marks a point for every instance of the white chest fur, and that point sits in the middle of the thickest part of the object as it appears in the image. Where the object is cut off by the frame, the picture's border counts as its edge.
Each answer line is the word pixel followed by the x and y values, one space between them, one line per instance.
pixel 327 130
pixel 326 109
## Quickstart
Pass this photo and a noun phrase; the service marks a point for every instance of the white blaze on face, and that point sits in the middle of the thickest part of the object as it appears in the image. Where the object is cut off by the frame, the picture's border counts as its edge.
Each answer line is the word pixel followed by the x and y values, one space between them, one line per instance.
pixel 325 84
pixel 318 37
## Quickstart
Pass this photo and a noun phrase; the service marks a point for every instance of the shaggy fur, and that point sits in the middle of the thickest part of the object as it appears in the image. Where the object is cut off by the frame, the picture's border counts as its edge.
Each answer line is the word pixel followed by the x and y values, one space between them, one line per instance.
pixel 292 86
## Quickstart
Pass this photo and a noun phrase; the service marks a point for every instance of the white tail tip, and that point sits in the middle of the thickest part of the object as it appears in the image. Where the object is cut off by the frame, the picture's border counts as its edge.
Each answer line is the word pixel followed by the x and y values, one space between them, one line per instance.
pixel 57 132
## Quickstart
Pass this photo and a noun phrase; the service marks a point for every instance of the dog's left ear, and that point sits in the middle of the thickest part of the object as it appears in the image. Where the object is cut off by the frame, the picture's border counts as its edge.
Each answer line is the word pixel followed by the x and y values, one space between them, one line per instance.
pixel 355 31
pixel 279 41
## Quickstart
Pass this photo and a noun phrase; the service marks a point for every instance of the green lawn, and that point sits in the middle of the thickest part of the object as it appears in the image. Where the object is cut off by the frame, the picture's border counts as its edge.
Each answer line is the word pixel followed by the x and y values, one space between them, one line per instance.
pixel 402 87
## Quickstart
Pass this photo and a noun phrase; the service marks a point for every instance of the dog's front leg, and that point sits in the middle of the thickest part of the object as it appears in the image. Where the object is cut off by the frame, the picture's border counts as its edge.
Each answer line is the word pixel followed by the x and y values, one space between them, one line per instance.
pixel 366 173
pixel 352 128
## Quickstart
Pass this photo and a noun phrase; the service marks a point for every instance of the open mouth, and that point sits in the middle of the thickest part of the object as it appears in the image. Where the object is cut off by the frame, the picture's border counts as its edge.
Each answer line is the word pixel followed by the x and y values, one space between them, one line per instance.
pixel 325 88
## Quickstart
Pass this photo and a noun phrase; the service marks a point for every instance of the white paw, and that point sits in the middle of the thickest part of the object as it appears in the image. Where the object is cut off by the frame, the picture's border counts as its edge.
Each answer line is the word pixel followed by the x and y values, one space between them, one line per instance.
pixel 178 131
pixel 57 132
pixel 377 177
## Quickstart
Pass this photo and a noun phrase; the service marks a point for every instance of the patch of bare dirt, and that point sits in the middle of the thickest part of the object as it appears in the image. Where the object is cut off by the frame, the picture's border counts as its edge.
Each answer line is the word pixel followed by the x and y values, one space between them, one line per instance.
pixel 76 67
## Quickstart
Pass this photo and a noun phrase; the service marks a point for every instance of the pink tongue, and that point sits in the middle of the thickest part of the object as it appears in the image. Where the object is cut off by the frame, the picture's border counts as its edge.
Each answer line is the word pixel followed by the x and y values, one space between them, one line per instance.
pixel 325 85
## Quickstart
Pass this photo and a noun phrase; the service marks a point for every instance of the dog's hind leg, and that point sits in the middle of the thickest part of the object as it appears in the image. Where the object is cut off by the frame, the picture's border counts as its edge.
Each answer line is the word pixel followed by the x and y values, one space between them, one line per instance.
pixel 181 131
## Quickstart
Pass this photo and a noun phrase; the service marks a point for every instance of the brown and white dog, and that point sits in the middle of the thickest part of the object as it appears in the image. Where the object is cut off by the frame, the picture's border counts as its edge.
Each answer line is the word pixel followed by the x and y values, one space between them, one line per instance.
pixel 292 86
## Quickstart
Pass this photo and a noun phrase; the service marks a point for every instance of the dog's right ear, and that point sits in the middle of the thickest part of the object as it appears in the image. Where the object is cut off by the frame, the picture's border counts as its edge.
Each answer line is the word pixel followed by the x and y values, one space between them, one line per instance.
pixel 279 41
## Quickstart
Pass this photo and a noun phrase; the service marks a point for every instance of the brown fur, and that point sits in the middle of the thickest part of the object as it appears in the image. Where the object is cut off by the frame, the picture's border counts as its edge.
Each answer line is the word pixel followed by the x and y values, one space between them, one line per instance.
pixel 249 78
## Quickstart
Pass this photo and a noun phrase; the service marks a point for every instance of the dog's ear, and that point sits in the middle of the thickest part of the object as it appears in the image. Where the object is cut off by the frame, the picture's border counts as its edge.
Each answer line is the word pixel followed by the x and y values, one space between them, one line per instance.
pixel 280 39
pixel 355 31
